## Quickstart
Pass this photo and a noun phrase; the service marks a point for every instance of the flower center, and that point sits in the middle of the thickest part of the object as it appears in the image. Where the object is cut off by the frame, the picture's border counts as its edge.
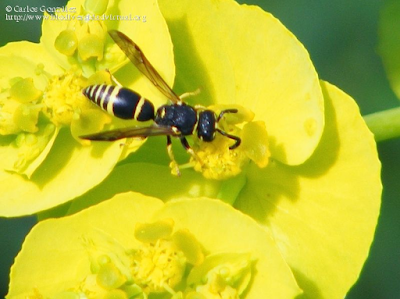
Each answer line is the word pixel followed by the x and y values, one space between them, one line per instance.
pixel 217 161
pixel 157 267
pixel 166 261
pixel 63 98
pixel 30 116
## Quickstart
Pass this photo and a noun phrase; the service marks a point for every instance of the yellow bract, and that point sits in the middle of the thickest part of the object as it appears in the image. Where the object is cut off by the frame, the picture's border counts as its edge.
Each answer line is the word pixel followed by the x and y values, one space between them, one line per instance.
pixel 94 253
pixel 243 55
pixel 44 89
pixel 309 174
pixel 323 213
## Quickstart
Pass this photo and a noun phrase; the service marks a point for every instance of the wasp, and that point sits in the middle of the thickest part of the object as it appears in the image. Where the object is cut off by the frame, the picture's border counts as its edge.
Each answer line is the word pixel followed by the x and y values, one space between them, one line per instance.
pixel 176 119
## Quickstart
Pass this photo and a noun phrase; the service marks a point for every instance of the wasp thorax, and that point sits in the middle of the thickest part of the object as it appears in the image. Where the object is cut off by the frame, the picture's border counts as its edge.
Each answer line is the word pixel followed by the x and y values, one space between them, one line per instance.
pixel 181 117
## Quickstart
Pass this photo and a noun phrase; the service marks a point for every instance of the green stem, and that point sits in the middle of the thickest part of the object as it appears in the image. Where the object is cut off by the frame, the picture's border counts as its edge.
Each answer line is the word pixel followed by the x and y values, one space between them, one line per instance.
pixel 385 124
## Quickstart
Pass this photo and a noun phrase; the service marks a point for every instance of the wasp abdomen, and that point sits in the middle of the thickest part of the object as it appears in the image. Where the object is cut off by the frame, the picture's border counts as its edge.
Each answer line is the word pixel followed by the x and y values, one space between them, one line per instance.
pixel 120 102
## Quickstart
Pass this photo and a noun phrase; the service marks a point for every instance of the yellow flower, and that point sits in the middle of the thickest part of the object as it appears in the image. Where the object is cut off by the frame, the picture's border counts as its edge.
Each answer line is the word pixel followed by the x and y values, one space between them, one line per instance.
pixel 319 194
pixel 307 170
pixel 43 112
pixel 134 245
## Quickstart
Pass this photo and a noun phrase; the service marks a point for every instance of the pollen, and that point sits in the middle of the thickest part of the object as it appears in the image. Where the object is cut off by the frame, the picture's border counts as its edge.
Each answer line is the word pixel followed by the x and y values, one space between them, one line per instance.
pixel 158 266
pixel 216 161
pixel 160 263
pixel 220 159
pixel 63 99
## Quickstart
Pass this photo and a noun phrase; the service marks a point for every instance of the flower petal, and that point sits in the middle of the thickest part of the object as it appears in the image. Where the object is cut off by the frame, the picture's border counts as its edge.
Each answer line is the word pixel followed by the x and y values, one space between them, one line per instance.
pixel 51 28
pixel 152 35
pixel 140 20
pixel 68 171
pixel 243 55
pixel 15 63
pixel 323 213
pixel 64 250
pixel 55 249
pixel 26 60
pixel 19 160
pixel 69 166
pixel 221 228
pixel 149 179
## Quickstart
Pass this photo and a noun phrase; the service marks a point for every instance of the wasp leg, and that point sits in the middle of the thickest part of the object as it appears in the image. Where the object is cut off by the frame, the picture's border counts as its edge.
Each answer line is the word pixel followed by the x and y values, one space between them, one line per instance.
pixel 173 165
pixel 237 139
pixel 113 78
pixel 199 107
pixel 188 149
pixel 190 94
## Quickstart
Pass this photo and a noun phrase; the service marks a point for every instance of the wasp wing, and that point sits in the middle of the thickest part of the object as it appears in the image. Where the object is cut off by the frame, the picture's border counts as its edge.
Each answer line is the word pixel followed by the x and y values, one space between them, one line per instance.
pixel 131 132
pixel 133 52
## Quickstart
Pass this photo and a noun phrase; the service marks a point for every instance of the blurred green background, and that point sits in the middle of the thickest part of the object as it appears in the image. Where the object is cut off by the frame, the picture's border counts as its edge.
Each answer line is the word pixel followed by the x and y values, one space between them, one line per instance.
pixel 341 37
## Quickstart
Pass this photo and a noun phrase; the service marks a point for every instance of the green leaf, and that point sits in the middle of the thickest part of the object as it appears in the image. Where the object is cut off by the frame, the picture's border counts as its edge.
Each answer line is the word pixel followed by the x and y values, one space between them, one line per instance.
pixel 389 42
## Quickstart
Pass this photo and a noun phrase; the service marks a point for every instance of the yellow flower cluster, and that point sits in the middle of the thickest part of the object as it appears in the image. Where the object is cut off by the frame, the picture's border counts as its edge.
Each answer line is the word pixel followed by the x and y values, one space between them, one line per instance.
pixel 304 177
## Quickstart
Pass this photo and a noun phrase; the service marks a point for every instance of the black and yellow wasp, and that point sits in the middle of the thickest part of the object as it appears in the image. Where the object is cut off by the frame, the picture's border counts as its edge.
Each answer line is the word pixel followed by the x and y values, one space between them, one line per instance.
pixel 176 119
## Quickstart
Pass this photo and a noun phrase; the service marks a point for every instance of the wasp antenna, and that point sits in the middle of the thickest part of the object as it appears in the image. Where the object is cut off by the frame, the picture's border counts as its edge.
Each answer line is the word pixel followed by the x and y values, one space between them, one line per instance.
pixel 221 114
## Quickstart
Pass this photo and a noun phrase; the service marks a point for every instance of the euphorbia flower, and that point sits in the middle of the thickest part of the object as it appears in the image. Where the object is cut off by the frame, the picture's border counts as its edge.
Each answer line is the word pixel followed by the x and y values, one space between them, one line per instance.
pixel 133 246
pixel 43 111
pixel 319 197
